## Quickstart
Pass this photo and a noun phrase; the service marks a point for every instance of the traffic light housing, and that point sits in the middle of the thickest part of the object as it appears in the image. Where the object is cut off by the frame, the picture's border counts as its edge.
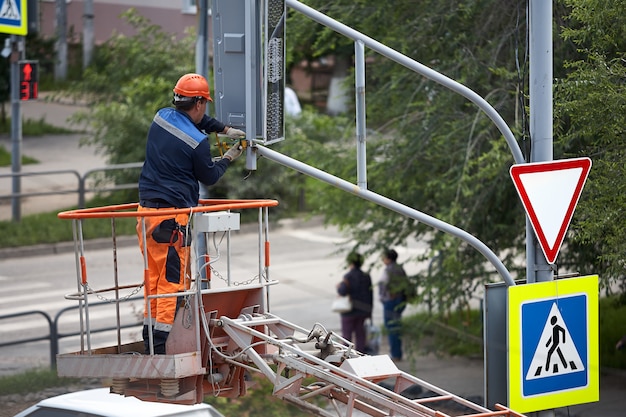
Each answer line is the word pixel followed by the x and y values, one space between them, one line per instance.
pixel 29 80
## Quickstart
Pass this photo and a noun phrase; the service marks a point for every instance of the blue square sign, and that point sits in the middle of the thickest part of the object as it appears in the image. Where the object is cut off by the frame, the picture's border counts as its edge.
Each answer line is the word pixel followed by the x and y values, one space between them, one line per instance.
pixel 13 17
pixel 554 344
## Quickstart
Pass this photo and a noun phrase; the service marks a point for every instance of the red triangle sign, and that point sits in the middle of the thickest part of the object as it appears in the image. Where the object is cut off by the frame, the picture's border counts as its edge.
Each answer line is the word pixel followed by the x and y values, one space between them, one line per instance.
pixel 549 192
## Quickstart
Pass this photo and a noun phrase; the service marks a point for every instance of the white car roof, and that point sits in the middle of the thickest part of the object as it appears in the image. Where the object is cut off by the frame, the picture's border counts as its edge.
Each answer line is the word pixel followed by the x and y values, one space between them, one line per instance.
pixel 101 402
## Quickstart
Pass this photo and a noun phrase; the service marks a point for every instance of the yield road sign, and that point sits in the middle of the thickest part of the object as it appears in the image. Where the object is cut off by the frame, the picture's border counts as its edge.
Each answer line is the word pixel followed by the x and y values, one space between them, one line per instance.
pixel 553 344
pixel 13 17
pixel 549 192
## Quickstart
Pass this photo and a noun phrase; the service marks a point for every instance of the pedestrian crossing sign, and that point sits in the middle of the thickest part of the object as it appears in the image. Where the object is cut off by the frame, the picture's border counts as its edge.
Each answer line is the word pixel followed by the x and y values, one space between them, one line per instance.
pixel 13 17
pixel 553 344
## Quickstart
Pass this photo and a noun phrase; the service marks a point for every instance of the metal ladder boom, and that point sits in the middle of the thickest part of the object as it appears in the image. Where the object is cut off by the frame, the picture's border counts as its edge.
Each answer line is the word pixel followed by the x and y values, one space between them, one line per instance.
pixel 335 373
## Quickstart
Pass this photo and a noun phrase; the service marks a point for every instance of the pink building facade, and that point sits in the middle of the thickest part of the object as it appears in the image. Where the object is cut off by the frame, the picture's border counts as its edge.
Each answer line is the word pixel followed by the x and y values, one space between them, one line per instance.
pixel 172 16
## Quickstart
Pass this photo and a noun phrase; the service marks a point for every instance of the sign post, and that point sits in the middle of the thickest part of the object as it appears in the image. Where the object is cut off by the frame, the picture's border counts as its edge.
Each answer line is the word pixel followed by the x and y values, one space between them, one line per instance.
pixel 15 22
pixel 17 54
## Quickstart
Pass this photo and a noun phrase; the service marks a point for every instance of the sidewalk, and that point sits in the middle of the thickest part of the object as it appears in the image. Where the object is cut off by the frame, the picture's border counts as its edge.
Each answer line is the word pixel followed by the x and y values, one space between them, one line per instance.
pixel 53 109
pixel 465 377
pixel 63 152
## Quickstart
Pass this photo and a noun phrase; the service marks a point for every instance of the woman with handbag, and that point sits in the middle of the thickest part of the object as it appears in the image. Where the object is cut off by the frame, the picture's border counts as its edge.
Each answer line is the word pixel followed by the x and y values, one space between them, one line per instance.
pixel 358 286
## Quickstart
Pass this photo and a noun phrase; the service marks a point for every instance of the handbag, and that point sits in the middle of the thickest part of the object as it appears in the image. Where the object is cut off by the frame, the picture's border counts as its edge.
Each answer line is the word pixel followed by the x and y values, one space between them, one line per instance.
pixel 372 333
pixel 341 304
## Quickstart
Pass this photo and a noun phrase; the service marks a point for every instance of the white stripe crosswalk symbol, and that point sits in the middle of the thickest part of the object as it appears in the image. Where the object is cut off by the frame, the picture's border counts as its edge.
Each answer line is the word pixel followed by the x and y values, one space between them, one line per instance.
pixel 9 10
pixel 556 353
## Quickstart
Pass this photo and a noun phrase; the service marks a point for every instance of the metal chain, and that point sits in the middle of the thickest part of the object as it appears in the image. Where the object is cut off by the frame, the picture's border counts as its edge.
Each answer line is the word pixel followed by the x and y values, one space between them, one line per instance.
pixel 187 316
pixel 235 283
pixel 135 291
pixel 112 300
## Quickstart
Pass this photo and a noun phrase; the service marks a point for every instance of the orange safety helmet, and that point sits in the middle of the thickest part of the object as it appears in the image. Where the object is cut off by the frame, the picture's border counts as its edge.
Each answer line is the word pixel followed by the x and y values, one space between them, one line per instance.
pixel 191 85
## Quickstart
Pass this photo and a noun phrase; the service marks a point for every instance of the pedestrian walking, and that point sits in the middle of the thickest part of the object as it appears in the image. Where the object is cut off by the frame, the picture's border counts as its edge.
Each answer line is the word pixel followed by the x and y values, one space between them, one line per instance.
pixel 393 298
pixel 356 284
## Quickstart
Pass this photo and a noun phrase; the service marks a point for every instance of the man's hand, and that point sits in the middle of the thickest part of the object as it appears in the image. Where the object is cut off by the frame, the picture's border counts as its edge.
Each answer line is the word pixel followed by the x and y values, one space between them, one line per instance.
pixel 233 133
pixel 234 152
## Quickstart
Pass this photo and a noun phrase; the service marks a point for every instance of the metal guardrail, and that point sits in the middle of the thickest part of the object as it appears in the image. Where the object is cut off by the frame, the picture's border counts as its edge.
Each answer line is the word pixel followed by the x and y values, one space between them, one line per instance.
pixel 54 335
pixel 82 184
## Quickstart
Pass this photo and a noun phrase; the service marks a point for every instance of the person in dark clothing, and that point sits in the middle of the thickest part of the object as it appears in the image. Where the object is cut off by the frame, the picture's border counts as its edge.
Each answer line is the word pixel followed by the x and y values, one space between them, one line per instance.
pixel 178 156
pixel 393 301
pixel 358 285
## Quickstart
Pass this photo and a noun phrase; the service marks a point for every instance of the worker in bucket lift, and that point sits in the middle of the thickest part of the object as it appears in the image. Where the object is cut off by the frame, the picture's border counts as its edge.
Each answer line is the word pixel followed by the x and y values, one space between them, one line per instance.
pixel 178 156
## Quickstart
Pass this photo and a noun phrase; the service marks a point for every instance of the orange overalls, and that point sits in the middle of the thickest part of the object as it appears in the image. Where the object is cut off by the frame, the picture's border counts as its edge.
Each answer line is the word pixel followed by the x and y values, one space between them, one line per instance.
pixel 169 268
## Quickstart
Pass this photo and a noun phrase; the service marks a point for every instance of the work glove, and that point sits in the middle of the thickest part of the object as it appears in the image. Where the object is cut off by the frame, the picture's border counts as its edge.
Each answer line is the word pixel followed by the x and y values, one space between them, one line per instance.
pixel 235 133
pixel 234 152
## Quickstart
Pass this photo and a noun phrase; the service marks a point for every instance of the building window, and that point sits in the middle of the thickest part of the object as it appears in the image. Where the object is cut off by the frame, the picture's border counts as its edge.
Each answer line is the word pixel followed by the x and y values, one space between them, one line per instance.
pixel 189 7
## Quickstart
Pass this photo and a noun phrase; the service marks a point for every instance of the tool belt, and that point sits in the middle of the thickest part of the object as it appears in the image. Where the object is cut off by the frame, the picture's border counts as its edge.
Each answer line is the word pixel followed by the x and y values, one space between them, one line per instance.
pixel 168 231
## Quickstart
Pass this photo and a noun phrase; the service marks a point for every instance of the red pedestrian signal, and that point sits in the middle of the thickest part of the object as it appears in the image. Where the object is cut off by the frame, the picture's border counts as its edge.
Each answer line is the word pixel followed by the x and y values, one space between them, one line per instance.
pixel 29 80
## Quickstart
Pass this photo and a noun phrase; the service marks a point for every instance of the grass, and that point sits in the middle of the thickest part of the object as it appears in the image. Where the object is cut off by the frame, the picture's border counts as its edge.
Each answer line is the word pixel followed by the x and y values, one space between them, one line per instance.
pixel 47 228
pixel 32 381
pixel 460 333
pixel 31 127
pixel 456 334
pixel 612 311
pixel 5 158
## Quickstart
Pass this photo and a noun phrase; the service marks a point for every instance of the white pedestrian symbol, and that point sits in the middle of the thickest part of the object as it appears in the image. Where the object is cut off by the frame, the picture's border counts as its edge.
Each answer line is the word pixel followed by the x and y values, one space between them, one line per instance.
pixel 556 353
pixel 9 10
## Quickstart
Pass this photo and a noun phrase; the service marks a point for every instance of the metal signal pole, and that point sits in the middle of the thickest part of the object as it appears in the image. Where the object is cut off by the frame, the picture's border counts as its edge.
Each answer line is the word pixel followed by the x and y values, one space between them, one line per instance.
pixel 541 126
pixel 17 54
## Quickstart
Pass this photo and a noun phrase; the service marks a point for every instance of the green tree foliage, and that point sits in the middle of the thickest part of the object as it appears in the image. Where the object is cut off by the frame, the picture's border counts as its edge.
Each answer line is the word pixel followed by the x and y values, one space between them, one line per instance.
pixel 437 153
pixel 434 151
pixel 131 77
pixel 441 155
pixel 591 110
pixel 308 138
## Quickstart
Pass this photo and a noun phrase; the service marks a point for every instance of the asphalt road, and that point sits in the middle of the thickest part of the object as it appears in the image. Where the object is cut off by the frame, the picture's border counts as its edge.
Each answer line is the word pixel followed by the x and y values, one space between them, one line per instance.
pixel 305 260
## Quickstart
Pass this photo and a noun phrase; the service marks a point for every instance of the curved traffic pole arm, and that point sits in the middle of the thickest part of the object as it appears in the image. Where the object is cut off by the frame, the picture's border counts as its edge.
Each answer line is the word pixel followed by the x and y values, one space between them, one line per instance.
pixel 417 67
pixel 390 204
